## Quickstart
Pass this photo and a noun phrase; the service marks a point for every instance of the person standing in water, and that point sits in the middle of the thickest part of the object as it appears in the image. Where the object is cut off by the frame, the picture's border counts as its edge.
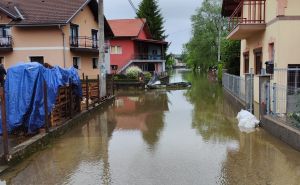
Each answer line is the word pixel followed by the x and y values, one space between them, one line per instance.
pixel 2 75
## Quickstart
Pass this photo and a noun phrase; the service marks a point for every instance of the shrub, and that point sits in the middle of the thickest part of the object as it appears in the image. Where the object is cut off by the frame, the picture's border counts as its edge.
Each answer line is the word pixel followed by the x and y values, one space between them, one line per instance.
pixel 147 76
pixel 133 72
pixel 120 77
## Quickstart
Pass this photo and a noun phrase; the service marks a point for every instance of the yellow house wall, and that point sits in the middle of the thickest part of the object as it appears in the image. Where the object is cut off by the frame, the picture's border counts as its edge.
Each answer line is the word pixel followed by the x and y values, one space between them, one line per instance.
pixel 86 22
pixel 260 40
pixel 4 19
pixel 48 42
pixel 285 36
pixel 292 7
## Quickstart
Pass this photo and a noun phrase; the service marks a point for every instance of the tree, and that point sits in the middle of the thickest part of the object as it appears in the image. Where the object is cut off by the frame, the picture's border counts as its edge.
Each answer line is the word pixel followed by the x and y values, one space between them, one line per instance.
pixel 149 9
pixel 202 49
pixel 231 56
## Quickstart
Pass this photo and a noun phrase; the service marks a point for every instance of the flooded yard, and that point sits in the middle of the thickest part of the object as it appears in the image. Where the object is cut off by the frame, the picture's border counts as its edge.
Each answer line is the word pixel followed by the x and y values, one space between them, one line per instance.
pixel 163 137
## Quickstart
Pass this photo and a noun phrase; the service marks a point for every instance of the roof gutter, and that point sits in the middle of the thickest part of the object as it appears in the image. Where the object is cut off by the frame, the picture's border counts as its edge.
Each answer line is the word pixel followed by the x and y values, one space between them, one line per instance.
pixel 36 25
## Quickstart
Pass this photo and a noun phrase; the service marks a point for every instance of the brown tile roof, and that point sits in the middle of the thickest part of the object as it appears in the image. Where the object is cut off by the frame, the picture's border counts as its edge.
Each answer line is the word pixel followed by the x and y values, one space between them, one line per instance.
pixel 43 11
pixel 126 27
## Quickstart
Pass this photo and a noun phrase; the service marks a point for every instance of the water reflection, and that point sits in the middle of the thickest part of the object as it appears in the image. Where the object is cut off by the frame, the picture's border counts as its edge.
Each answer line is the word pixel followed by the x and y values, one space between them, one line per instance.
pixel 210 116
pixel 158 137
pixel 143 111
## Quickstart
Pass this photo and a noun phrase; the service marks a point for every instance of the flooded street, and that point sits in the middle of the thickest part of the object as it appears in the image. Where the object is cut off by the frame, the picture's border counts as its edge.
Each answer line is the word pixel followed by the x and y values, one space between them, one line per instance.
pixel 160 137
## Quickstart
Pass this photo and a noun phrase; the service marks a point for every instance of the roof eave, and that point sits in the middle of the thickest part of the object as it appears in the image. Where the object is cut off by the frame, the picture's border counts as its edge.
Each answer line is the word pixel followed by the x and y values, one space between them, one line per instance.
pixel 8 13
pixel 81 7
pixel 37 24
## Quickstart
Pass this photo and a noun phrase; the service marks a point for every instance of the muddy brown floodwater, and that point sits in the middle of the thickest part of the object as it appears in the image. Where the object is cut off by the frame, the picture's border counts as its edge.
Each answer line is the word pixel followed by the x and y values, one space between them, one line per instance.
pixel 179 137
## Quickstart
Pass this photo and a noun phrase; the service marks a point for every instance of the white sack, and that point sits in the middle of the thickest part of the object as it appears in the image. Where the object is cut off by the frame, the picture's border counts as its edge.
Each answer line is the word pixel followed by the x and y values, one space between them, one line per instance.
pixel 247 120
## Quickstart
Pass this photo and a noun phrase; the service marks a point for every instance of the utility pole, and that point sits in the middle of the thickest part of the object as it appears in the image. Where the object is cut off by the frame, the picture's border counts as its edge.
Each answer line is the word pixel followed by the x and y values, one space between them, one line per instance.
pixel 219 46
pixel 101 60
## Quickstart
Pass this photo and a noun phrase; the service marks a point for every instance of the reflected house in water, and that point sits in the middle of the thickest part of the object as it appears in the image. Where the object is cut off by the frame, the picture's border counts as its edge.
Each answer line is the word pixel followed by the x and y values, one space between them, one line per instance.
pixel 143 112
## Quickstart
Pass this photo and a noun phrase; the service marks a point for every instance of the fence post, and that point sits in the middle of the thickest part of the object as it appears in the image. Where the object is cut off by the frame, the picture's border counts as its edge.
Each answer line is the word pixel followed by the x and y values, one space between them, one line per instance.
pixel 274 98
pixel 251 92
pixel 267 89
pixel 87 93
pixel 46 107
pixel 71 100
pixel 98 81
pixel 4 124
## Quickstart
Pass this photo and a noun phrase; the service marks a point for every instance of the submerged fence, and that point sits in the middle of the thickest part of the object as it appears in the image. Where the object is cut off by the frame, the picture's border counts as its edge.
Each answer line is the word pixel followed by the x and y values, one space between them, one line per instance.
pixel 240 87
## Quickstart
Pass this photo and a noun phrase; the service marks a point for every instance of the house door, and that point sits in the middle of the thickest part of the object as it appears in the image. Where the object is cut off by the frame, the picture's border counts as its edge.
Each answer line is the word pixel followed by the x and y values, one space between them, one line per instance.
pixel 95 38
pixel 258 62
pixel 151 67
pixel 74 35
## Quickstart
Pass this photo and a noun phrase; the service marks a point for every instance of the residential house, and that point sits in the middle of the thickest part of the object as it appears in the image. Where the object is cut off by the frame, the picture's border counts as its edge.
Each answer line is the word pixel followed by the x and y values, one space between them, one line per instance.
pixel 269 31
pixel 57 32
pixel 133 45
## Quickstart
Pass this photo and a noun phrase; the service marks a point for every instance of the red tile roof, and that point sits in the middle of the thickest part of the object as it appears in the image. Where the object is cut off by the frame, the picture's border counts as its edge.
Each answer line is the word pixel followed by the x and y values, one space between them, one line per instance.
pixel 127 27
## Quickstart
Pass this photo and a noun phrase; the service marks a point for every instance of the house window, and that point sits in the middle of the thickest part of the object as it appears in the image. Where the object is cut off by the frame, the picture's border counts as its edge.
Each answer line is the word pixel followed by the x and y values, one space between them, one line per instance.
pixel 116 50
pixel 2 60
pixel 38 59
pixel 95 38
pixel 76 62
pixel 95 63
pixel 293 78
pixel 271 52
pixel 74 33
pixel 5 31
pixel 258 61
pixel 246 63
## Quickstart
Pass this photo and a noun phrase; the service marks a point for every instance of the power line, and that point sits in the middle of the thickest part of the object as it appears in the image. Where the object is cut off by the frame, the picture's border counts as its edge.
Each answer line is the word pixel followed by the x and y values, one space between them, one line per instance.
pixel 135 10
pixel 132 6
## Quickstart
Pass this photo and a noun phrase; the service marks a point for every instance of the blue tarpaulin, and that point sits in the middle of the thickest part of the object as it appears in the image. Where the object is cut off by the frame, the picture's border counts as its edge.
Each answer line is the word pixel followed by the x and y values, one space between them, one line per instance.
pixel 24 93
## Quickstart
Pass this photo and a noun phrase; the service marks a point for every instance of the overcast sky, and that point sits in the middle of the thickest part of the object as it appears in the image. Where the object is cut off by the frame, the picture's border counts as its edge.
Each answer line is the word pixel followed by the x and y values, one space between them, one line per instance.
pixel 177 15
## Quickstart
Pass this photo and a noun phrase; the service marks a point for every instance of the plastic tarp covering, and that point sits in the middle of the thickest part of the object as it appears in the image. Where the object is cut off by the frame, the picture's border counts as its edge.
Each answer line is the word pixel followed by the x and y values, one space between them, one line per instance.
pixel 24 93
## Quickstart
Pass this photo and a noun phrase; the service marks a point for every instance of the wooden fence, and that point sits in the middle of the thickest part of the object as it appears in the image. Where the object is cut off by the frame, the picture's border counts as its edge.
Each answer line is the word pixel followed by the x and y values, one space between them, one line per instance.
pixel 67 103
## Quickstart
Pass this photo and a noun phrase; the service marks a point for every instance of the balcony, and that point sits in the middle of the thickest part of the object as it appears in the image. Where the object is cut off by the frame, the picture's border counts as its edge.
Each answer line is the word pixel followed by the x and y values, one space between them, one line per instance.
pixel 6 43
pixel 148 57
pixel 247 19
pixel 84 44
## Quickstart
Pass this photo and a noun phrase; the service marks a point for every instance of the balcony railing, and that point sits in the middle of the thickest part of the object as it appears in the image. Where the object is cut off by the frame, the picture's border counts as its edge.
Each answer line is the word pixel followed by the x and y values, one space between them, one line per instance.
pixel 248 12
pixel 83 42
pixel 148 57
pixel 6 42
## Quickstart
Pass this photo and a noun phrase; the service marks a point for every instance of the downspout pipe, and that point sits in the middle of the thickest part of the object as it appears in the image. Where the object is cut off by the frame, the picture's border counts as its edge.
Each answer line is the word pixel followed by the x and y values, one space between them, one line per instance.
pixel 64 44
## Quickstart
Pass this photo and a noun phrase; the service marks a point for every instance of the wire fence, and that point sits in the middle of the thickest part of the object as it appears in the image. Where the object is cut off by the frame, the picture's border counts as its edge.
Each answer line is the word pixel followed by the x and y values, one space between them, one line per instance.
pixel 240 87
pixel 235 85
pixel 283 97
